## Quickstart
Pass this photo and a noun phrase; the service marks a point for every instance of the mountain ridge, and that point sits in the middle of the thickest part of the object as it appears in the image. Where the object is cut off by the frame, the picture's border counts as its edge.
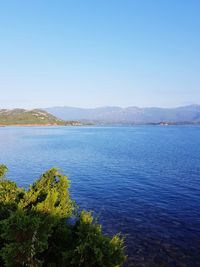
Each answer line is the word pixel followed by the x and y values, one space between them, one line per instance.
pixel 38 117
pixel 131 114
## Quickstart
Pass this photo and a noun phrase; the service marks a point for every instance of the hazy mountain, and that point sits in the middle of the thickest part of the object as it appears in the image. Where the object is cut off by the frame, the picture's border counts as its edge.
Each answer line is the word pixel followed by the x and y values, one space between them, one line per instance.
pixel 128 115
pixel 28 117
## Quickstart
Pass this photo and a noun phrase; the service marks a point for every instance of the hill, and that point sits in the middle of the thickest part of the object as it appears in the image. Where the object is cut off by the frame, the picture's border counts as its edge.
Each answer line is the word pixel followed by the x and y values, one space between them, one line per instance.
pixel 186 114
pixel 30 117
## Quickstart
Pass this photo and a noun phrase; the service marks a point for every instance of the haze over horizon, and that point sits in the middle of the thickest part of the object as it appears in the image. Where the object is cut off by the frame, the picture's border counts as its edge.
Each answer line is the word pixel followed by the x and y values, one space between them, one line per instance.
pixel 99 53
pixel 98 107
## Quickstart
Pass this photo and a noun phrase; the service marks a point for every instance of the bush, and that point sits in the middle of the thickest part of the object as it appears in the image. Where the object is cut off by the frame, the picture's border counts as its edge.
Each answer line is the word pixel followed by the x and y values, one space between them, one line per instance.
pixel 42 226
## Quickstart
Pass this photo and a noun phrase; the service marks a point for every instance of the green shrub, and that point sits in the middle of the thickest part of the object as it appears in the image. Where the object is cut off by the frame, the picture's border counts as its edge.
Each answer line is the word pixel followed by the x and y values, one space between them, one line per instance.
pixel 42 226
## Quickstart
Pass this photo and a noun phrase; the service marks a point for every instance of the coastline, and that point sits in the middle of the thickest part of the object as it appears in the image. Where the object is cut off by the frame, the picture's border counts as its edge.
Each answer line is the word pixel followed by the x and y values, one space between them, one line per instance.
pixel 40 125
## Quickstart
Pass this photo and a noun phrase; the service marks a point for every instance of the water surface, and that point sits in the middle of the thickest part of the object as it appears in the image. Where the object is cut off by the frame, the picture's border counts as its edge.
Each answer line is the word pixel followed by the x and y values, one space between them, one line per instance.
pixel 142 181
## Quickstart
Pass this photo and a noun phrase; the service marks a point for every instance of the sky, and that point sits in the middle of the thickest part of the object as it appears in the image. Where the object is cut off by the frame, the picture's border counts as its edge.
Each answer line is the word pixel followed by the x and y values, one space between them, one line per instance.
pixel 95 53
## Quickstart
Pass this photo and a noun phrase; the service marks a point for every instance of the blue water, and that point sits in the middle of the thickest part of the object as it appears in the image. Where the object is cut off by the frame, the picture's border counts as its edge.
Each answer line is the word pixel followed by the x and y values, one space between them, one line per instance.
pixel 142 181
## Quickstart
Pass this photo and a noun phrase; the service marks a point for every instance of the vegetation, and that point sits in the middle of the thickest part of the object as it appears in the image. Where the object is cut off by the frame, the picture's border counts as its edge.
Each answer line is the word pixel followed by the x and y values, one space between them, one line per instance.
pixel 42 226
pixel 30 117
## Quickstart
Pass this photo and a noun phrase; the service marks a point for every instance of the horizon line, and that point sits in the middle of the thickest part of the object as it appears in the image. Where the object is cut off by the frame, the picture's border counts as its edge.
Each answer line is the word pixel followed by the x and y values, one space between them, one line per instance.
pixel 98 107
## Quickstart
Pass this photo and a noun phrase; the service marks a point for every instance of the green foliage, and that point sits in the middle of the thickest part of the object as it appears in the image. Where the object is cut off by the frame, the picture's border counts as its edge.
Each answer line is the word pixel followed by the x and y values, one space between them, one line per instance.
pixel 42 227
pixel 91 247
pixel 3 170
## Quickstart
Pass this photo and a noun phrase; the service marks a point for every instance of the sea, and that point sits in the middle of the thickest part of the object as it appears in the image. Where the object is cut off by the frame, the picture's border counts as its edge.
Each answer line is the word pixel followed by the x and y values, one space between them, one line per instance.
pixel 140 181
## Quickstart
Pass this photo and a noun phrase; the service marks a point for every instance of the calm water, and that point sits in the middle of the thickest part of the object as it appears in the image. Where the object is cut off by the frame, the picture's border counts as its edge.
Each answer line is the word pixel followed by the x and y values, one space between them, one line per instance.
pixel 141 181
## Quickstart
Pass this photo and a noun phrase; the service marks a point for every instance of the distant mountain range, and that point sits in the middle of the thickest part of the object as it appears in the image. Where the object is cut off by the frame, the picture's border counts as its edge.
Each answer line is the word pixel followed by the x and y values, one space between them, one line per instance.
pixel 29 117
pixel 103 115
pixel 133 115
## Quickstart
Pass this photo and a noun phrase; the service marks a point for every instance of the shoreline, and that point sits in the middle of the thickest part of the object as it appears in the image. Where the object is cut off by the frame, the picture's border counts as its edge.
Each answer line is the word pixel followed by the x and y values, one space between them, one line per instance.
pixel 39 125
pixel 99 125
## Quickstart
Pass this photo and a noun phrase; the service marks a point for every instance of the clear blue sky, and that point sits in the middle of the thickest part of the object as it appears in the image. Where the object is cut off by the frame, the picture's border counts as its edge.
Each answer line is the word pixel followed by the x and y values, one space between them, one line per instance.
pixel 99 53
